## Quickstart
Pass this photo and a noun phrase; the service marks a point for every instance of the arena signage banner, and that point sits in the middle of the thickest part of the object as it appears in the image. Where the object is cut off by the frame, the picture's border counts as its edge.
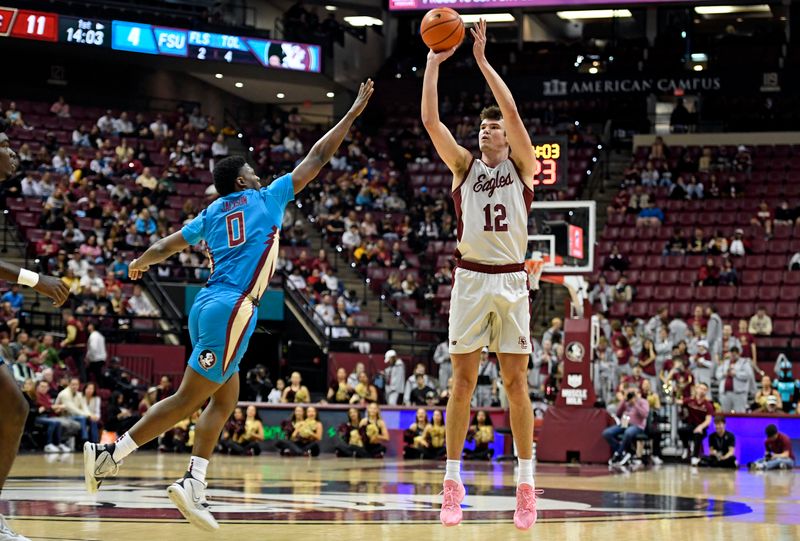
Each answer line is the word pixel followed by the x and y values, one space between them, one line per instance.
pixel 476 4
pixel 557 87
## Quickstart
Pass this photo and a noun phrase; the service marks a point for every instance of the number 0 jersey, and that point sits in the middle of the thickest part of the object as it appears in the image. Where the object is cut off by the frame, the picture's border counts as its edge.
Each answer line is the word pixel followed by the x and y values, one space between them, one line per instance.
pixel 242 230
pixel 492 206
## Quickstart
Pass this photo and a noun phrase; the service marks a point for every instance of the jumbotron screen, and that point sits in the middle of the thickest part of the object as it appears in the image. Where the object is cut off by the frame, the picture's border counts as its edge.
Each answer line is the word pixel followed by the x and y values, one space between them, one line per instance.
pixel 480 4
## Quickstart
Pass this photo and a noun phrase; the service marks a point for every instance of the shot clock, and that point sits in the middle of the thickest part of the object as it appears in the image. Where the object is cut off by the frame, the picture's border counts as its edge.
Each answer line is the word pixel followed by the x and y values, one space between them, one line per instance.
pixel 551 162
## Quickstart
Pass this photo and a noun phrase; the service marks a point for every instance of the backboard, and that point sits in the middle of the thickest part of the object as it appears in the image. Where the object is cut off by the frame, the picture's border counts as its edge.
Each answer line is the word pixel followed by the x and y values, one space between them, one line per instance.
pixel 564 233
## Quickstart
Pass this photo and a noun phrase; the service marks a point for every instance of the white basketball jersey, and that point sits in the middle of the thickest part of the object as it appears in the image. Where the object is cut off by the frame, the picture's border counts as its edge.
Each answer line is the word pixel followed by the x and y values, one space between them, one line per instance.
pixel 492 206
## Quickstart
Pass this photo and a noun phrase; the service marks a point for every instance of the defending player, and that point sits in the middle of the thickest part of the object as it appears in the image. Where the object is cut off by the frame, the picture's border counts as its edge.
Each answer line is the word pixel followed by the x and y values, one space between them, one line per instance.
pixel 242 229
pixel 13 407
pixel 489 300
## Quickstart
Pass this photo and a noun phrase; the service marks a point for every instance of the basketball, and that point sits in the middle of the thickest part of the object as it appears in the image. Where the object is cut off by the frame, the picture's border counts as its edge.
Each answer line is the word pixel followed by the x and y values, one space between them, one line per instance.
pixel 442 29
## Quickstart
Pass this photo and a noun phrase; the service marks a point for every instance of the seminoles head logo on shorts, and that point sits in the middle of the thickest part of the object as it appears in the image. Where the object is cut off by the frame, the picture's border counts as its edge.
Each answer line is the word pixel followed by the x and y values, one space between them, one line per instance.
pixel 207 359
pixel 523 342
pixel 575 352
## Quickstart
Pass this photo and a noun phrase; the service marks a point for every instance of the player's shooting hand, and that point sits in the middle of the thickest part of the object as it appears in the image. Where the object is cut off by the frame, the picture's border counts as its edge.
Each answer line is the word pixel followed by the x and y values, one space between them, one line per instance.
pixel 479 35
pixel 136 269
pixel 364 94
pixel 441 56
pixel 53 288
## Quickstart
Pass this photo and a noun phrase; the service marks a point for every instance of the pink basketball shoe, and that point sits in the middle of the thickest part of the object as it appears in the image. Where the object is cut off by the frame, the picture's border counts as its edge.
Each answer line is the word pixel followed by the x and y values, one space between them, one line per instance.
pixel 525 515
pixel 452 496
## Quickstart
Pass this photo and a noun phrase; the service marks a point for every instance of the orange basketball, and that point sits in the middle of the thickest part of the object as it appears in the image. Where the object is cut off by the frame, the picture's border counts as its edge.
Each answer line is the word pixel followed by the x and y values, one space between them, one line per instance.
pixel 442 29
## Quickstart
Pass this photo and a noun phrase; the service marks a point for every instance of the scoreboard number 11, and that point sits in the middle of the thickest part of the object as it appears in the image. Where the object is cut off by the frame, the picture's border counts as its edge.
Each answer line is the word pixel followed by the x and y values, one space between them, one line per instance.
pixel 36 24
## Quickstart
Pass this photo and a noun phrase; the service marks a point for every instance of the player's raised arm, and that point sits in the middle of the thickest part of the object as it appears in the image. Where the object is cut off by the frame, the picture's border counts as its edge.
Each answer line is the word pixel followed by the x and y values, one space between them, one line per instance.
pixel 158 252
pixel 46 285
pixel 518 138
pixel 324 149
pixel 455 156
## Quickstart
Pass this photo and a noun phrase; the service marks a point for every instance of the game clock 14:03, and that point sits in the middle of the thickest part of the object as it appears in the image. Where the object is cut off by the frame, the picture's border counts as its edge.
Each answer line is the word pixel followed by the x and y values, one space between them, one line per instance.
pixel 85 31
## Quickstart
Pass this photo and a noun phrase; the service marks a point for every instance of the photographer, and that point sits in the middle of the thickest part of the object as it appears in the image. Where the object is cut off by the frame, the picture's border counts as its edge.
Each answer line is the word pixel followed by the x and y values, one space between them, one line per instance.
pixel 778 455
pixel 721 446
pixel 258 384
pixel 632 413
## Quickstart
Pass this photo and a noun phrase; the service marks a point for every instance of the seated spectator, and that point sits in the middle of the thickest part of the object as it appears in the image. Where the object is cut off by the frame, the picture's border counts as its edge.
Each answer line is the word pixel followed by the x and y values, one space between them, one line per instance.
pixel 351 239
pixel 721 447
pixel 420 393
pixel 14 116
pixel 292 144
pixel 718 245
pixel 364 392
pixel 41 417
pixel 409 286
pixel 106 123
pixel 622 290
pixel 148 400
pixel 708 275
pixel 765 393
pixel 296 392
pixel 145 224
pixel 602 293
pixel 297 281
pixel 697 412
pixel 76 408
pixel 339 392
pixel 679 191
pixel 433 437
pixel 60 108
pixel 760 323
pixel 763 218
pixel 481 431
pixel 56 412
pixel 180 438
pixel 219 149
pixel 615 261
pixel 140 305
pixel 147 181
pixel 698 243
pixel 93 402
pixel 638 200
pixel 415 443
pixel 276 394
pixel 676 245
pixel 649 176
pixel 695 189
pixel 14 298
pixel 658 150
pixel 632 414
pixel 650 216
pixel 728 275
pixel 779 453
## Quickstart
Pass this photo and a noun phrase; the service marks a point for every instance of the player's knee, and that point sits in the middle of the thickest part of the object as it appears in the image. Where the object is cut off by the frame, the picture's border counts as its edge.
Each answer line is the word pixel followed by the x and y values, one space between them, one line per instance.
pixel 16 407
pixel 463 386
pixel 516 385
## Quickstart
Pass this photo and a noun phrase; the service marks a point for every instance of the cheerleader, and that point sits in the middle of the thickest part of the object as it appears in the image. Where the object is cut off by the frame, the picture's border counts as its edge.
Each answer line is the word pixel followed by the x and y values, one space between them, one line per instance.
pixel 339 391
pixel 433 435
pixel 365 392
pixel 296 392
pixel 348 441
pixel 481 432
pixel 415 442
pixel 293 445
pixel 374 432
pixel 310 432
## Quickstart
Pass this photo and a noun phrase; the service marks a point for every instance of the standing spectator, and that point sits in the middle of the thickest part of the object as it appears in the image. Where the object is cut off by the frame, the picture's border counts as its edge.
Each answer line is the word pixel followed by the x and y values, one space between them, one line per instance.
pixel 663 348
pixel 486 387
pixel 721 446
pixel 702 365
pixel 275 394
pixel 647 362
pixel 542 359
pixel 632 413
pixel 760 323
pixel 735 376
pixel 606 370
pixel 96 353
pixel 697 413
pixel 655 323
pixel 395 377
pixel 714 332
pixel 441 356
pixel 779 453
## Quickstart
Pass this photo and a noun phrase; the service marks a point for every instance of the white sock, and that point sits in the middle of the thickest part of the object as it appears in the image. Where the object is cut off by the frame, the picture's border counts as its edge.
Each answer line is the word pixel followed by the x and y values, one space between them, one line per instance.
pixel 198 467
pixel 525 472
pixel 123 447
pixel 453 471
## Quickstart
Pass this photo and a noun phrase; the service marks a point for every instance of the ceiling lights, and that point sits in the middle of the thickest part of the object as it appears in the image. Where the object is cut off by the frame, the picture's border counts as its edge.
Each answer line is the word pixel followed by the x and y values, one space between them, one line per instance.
pixel 363 20
pixel 280 95
pixel 488 17
pixel 330 94
pixel 239 85
pixel 725 10
pixel 218 76
pixel 588 14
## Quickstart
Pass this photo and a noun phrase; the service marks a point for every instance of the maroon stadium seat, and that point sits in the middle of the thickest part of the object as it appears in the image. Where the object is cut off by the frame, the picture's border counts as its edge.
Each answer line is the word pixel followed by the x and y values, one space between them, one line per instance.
pixel 768 293
pixel 727 293
pixel 743 310
pixel 783 327
pixel 725 309
pixel 685 293
pixel 786 309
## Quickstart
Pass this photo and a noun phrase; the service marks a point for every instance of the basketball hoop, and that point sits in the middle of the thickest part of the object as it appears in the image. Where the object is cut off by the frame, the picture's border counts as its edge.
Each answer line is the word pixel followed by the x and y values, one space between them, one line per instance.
pixel 534 268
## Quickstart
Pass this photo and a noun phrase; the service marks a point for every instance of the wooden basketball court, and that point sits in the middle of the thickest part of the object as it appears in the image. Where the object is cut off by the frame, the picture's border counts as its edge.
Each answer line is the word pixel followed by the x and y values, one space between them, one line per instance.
pixel 275 498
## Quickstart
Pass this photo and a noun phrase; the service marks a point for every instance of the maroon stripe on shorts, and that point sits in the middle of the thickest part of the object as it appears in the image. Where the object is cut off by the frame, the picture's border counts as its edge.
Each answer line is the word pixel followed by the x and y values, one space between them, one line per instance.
pixel 490 269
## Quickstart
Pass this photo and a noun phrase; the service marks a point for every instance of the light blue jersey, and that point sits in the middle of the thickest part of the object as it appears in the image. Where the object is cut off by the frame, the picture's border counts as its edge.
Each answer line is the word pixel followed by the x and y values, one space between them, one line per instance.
pixel 242 231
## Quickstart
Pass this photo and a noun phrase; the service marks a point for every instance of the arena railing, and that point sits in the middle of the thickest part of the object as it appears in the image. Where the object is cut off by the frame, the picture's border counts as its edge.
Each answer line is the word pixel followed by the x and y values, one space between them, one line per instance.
pixel 115 328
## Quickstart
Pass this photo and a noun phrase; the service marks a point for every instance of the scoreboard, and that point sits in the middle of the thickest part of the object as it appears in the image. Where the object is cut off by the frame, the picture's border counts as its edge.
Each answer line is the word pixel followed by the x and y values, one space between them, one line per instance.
pixel 158 40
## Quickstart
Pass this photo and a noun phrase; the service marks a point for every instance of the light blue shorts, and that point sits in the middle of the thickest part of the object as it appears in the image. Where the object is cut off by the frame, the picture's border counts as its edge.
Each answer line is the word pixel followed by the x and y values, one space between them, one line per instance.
pixel 221 322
